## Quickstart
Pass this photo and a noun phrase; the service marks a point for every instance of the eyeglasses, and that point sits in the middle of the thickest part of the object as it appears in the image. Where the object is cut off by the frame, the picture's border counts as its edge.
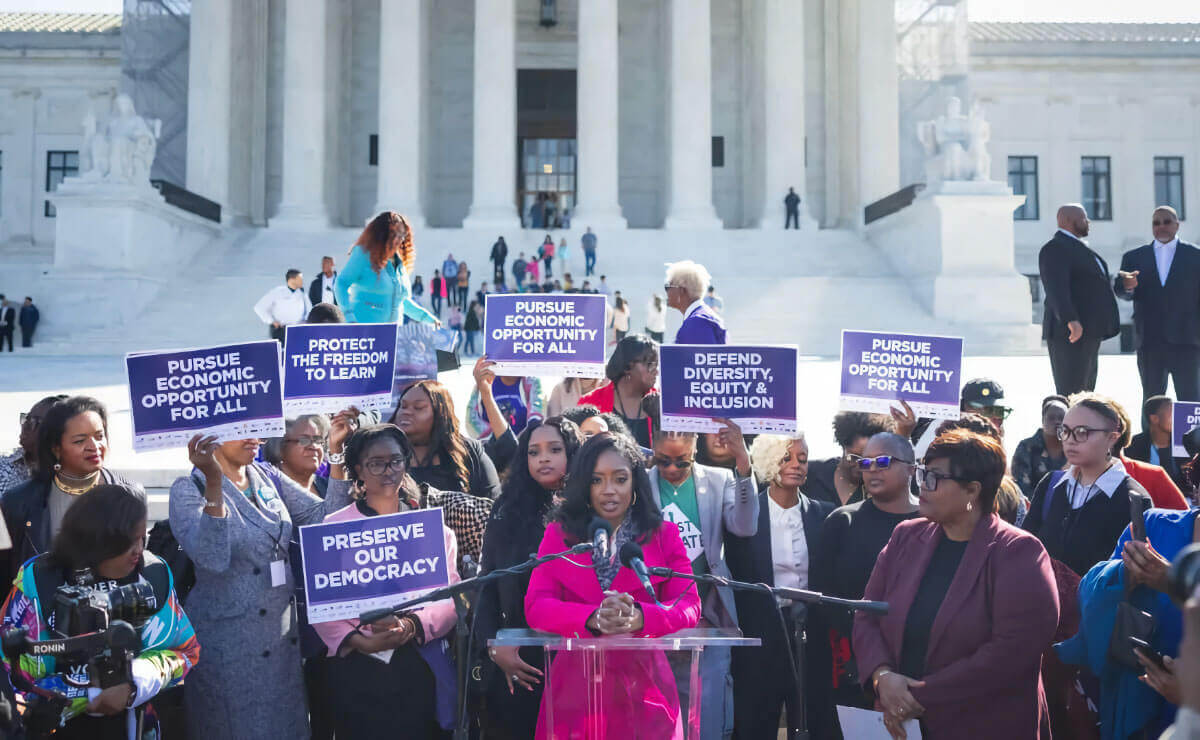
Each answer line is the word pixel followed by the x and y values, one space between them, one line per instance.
pixel 379 467
pixel 307 441
pixel 662 462
pixel 929 479
pixel 1079 434
pixel 33 421
pixel 883 462
pixel 668 286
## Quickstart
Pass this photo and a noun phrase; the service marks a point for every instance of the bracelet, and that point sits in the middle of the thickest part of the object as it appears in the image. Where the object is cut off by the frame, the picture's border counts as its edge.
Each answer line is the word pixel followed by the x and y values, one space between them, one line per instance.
pixel 214 504
pixel 875 683
pixel 337 458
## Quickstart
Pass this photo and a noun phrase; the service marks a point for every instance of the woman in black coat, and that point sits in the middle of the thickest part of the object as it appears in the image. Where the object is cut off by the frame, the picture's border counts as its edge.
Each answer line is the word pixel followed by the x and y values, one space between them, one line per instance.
pixel 512 679
pixel 71 451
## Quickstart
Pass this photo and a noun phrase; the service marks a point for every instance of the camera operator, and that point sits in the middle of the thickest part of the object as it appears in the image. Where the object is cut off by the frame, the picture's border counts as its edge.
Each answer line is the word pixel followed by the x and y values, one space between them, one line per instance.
pixel 101 544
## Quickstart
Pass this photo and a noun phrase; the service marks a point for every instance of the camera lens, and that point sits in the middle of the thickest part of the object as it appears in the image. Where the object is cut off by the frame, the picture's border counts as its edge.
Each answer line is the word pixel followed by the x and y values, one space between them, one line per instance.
pixel 1184 575
pixel 133 603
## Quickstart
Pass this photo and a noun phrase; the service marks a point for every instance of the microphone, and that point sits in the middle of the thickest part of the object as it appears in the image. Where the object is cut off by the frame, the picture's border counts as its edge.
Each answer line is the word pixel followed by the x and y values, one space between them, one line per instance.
pixel 632 558
pixel 601 533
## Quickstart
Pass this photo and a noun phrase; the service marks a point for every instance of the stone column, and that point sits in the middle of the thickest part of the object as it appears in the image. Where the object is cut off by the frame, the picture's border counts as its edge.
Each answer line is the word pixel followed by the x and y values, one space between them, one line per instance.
pixel 304 64
pixel 878 102
pixel 783 128
pixel 493 202
pixel 23 194
pixel 210 99
pixel 690 189
pixel 401 108
pixel 597 117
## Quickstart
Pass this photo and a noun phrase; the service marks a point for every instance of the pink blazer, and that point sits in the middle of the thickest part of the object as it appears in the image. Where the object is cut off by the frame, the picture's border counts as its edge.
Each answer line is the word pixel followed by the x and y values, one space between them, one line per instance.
pixel 638 693
pixel 436 618
pixel 983 666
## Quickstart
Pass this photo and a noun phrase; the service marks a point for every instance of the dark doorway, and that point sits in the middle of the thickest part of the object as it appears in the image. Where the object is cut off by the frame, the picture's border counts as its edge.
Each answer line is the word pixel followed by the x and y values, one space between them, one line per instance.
pixel 545 146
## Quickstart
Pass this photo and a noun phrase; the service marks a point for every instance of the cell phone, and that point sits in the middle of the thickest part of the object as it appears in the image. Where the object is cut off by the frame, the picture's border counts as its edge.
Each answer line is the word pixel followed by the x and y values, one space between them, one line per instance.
pixel 1141 647
pixel 1137 516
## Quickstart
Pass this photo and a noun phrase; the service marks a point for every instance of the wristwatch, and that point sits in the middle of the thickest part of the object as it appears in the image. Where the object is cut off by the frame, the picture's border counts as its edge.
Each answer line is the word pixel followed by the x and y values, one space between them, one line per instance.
pixel 337 458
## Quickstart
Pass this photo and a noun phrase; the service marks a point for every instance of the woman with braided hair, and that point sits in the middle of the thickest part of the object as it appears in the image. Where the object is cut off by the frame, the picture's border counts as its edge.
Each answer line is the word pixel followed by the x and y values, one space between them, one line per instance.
pixel 374 285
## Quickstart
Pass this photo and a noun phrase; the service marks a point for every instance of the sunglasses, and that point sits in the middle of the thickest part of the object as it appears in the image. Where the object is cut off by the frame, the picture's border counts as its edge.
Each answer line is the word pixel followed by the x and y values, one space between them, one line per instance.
pixel 883 462
pixel 992 412
pixel 677 464
pixel 30 419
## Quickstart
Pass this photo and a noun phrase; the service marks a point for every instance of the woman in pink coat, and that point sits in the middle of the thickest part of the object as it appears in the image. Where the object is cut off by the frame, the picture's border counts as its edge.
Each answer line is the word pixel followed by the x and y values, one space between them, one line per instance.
pixel 571 597
pixel 392 676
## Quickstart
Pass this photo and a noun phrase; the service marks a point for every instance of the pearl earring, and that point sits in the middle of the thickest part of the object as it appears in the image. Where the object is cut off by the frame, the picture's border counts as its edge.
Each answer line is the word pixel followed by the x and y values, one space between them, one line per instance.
pixel 57 467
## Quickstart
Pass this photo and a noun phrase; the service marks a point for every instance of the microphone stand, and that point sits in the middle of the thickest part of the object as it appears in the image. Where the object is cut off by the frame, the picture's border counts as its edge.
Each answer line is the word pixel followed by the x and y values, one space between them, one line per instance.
pixel 455 591
pixel 798 729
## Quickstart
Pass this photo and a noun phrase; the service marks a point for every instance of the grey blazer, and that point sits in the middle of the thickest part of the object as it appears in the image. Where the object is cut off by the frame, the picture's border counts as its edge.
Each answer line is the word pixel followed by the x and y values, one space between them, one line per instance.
pixel 248 682
pixel 727 502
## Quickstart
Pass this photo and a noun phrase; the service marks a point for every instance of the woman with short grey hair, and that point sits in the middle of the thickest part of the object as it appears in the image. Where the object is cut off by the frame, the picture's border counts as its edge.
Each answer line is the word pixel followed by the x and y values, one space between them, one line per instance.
pixel 300 452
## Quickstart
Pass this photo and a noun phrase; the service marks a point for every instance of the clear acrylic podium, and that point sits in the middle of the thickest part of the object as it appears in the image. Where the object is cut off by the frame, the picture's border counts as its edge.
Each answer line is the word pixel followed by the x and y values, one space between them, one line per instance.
pixel 621 686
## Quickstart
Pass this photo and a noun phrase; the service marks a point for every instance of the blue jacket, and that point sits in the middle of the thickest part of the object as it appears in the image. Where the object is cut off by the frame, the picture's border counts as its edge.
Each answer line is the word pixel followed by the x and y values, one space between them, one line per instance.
pixel 1126 704
pixel 369 297
pixel 701 326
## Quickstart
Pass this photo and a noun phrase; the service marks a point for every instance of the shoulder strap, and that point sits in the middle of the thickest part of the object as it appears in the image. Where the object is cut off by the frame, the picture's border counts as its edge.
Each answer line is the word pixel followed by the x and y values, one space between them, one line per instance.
pixel 1055 477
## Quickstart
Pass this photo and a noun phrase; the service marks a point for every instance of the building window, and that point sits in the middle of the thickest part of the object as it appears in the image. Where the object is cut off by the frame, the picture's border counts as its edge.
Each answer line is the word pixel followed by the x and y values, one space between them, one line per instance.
pixel 1097 187
pixel 59 166
pixel 373 150
pixel 1168 183
pixel 1023 179
pixel 718 153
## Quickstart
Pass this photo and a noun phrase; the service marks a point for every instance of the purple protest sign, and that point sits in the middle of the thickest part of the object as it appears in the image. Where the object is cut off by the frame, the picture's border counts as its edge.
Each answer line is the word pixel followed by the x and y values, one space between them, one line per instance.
pixel 359 564
pixel 231 391
pixel 545 334
pixel 879 369
pixel 1185 416
pixel 753 385
pixel 327 367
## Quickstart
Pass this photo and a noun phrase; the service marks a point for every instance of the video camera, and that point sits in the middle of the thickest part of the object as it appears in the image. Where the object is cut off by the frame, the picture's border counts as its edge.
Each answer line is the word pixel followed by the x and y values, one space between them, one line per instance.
pixel 93 628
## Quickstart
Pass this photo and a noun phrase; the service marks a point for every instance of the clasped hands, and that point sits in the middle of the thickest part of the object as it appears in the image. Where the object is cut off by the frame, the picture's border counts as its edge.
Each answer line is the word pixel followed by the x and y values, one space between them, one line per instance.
pixel 894 693
pixel 618 614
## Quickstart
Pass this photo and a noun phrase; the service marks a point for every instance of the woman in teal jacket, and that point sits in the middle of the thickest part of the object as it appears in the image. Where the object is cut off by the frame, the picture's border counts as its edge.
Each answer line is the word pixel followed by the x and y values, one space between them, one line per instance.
pixel 373 287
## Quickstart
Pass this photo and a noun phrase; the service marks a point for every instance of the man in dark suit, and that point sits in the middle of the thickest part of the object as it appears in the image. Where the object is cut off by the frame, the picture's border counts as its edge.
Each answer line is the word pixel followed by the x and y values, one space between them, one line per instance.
pixel 1081 310
pixel 1166 308
pixel 320 290
pixel 8 322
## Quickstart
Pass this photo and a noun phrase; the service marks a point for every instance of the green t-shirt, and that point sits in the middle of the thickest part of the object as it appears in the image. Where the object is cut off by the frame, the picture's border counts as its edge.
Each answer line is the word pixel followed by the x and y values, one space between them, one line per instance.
pixel 680 507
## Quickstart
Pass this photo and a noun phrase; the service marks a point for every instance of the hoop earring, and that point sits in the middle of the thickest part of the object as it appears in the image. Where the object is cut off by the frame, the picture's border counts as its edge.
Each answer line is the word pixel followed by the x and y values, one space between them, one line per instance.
pixel 634 501
pixel 57 467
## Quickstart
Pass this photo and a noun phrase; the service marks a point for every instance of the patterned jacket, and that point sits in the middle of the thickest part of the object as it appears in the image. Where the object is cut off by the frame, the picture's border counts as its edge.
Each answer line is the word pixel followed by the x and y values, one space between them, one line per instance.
pixel 169 646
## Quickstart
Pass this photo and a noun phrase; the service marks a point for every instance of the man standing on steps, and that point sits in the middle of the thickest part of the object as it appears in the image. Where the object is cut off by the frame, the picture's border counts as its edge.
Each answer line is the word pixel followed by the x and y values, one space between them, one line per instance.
pixel 8 322
pixel 499 256
pixel 686 284
pixel 29 321
pixel 589 253
pixel 321 288
pixel 284 305
pixel 1166 308
pixel 1081 310
pixel 791 204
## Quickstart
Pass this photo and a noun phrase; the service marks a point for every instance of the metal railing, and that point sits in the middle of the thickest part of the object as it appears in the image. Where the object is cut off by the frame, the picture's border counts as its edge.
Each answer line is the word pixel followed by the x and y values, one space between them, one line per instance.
pixel 188 201
pixel 890 204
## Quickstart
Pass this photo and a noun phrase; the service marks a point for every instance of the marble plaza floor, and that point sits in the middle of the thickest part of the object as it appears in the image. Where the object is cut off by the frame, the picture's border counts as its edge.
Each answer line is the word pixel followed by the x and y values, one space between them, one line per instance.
pixel 25 379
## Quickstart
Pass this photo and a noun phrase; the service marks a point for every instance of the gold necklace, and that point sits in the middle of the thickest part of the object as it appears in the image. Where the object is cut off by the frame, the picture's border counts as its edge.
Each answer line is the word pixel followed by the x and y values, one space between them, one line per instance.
pixel 76 490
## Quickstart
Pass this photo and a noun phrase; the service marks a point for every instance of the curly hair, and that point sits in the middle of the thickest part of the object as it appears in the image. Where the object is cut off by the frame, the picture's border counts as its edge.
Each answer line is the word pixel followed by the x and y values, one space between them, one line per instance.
pixel 767 453
pixel 972 422
pixel 356 446
pixel 575 512
pixel 850 425
pixel 389 236
pixel 446 439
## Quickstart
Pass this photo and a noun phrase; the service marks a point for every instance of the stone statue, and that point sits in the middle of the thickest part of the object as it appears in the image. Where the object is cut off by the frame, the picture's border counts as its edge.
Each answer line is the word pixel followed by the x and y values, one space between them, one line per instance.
pixel 956 145
pixel 124 150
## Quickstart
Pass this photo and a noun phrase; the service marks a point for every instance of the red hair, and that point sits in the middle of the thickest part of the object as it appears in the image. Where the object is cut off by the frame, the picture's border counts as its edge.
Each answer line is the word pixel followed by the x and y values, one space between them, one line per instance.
pixel 388 235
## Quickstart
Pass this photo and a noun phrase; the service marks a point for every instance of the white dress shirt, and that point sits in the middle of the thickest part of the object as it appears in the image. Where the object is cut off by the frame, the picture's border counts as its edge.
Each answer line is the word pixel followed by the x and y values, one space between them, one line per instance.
pixel 789 546
pixel 656 318
pixel 327 287
pixel 283 305
pixel 1108 483
pixel 1164 255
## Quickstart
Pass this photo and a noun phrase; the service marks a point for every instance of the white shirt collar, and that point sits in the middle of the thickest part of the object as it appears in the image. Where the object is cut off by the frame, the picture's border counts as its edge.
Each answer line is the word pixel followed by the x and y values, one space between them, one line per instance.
pixel 1169 245
pixel 1064 231
pixel 1109 481
pixel 696 305
pixel 778 511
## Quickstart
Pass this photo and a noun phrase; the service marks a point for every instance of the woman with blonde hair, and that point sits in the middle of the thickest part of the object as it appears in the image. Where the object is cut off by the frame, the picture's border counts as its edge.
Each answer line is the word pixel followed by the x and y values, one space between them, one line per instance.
pixel 374 285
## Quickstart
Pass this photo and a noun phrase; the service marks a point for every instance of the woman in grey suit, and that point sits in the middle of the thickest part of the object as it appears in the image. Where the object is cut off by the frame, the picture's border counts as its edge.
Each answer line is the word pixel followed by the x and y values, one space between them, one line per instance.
pixel 706 503
pixel 234 522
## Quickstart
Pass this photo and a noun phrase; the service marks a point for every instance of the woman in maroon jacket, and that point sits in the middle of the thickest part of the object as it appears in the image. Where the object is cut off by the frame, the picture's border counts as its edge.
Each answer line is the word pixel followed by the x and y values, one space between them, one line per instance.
pixel 973 605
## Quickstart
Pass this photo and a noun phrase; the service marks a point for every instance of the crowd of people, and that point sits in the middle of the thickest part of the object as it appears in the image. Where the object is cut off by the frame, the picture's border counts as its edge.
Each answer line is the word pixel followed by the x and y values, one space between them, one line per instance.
pixel 1026 600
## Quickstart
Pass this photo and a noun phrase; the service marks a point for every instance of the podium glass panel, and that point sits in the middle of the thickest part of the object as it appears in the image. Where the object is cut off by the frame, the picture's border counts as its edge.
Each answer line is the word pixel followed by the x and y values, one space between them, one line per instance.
pixel 619 686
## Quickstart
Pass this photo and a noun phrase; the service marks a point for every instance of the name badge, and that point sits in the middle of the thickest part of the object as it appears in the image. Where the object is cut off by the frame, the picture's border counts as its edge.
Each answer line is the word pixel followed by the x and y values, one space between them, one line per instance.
pixel 278 573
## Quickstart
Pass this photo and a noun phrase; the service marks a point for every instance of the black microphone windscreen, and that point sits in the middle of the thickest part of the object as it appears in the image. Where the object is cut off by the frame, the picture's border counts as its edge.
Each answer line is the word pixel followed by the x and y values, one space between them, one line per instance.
pixel 598 523
pixel 629 551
